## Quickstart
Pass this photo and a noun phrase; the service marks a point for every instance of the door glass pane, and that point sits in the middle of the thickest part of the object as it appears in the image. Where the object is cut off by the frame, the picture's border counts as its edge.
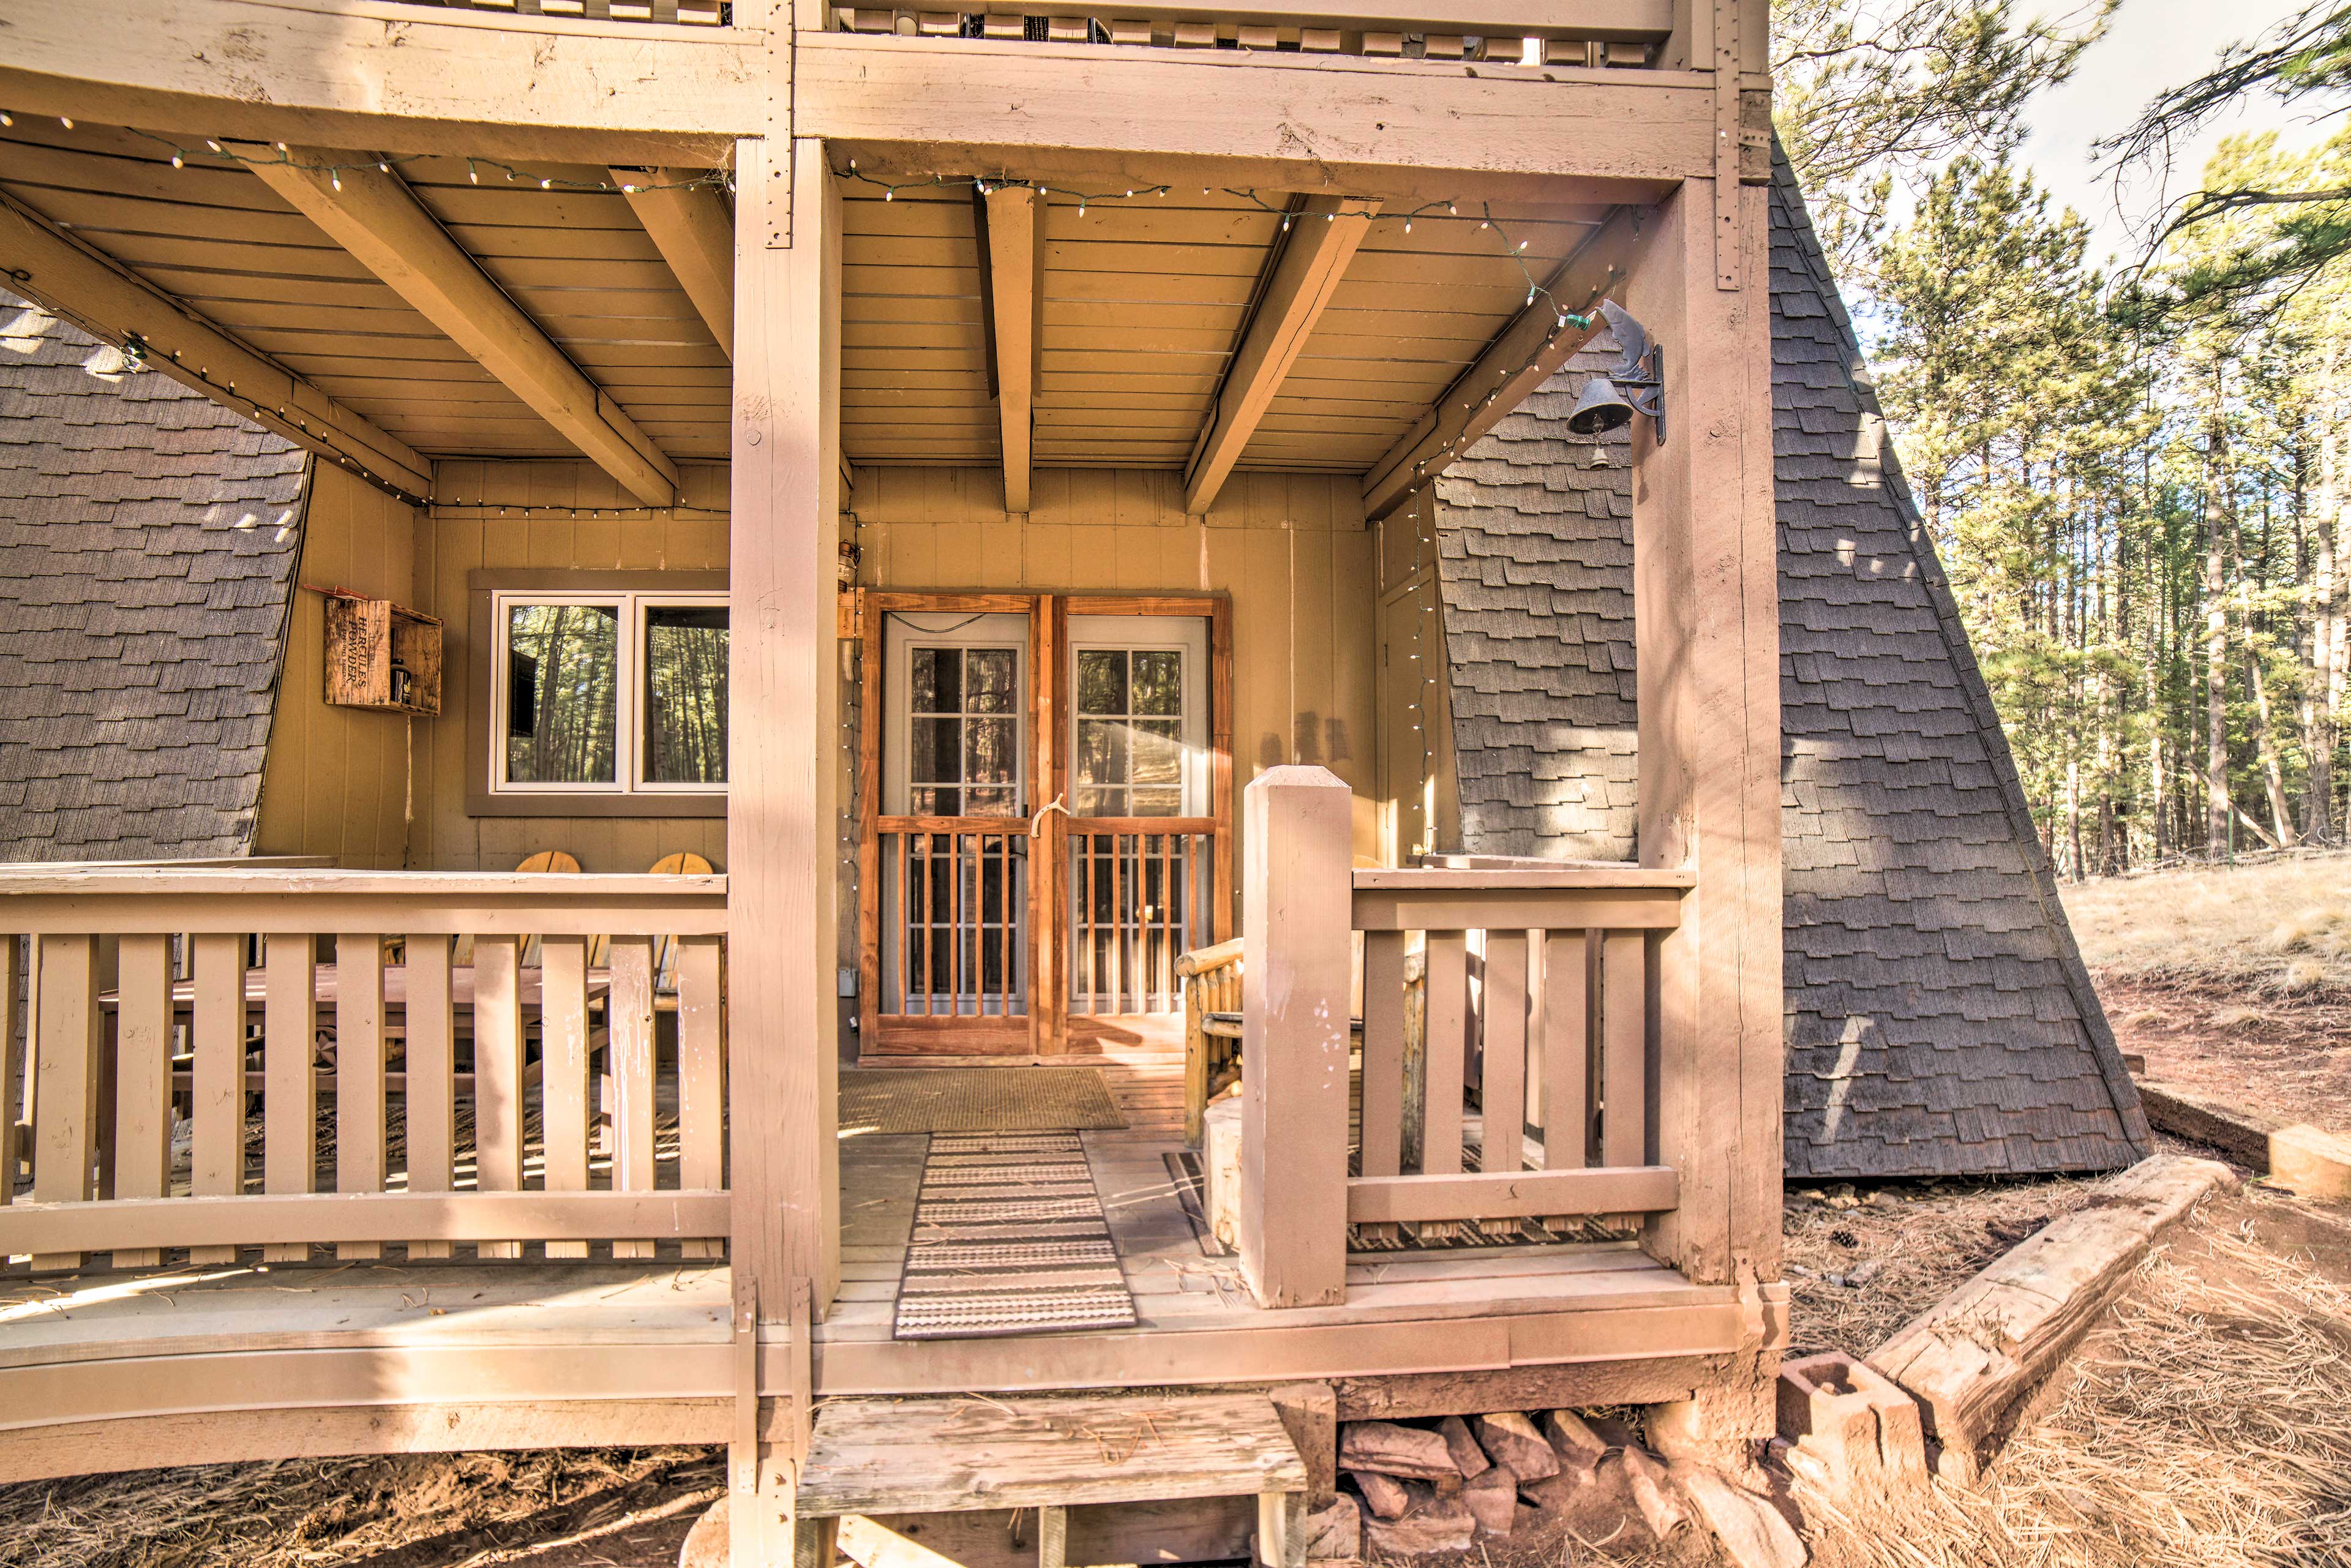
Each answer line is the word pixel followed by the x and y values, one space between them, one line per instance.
pixel 1158 683
pixel 1101 680
pixel 962 760
pixel 1129 747
pixel 686 694
pixel 563 667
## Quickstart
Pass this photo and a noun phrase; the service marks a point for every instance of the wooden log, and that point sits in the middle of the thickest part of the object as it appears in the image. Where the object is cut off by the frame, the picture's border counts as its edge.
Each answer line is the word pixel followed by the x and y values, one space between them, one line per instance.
pixel 2311 1161
pixel 1969 1357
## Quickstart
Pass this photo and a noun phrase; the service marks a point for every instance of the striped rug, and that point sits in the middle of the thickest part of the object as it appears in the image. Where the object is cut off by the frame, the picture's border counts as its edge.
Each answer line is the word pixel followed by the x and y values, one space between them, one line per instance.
pixel 1009 1239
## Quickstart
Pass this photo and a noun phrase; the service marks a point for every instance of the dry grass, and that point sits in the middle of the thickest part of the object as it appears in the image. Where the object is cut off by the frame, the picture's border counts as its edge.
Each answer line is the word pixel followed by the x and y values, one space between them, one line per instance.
pixel 2207 1425
pixel 545 1507
pixel 2278 926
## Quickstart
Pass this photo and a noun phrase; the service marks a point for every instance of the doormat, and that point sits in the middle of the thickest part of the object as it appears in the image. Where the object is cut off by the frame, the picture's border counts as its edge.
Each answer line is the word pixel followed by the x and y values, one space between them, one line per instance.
pixel 1009 1239
pixel 976 1099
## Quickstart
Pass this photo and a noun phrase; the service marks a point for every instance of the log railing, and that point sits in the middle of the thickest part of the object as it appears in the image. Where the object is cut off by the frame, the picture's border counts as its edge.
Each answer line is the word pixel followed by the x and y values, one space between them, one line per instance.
pixel 1581 33
pixel 1533 975
pixel 208 1063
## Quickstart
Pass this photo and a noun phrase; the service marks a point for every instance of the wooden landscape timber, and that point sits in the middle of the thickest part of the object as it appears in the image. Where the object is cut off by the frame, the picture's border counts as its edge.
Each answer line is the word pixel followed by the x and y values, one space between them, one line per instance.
pixel 1968 1359
pixel 638 1215
pixel 2311 1161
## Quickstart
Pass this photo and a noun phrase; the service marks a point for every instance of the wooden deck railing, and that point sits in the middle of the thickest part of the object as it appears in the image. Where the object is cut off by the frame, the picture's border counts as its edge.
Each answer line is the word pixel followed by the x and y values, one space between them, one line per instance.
pixel 196 1077
pixel 1561 957
pixel 1578 33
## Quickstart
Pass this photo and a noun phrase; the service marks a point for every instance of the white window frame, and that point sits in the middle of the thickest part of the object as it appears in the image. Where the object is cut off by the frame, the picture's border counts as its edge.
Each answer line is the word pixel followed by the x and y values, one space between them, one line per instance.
pixel 628 737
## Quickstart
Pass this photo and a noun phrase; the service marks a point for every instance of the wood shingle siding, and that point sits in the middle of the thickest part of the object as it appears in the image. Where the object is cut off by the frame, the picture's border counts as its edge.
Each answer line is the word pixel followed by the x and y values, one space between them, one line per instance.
pixel 1938 1016
pixel 148 545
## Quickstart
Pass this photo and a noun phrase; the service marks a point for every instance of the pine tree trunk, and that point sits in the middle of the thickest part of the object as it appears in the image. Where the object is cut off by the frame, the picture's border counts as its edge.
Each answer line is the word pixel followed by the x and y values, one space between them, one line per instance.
pixel 2217 811
pixel 2272 775
pixel 2318 699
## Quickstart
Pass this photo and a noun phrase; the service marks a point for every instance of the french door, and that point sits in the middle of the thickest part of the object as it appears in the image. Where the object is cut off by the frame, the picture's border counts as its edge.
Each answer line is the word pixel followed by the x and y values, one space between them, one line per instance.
pixel 1045 818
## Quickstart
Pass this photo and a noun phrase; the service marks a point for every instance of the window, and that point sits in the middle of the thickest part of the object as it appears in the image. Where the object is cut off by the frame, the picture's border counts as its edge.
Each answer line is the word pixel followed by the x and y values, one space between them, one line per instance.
pixel 1130 750
pixel 964 715
pixel 609 694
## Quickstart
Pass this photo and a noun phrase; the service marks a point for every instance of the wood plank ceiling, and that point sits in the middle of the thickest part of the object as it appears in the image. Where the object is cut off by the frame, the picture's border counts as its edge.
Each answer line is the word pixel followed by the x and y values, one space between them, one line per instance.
pixel 1146 298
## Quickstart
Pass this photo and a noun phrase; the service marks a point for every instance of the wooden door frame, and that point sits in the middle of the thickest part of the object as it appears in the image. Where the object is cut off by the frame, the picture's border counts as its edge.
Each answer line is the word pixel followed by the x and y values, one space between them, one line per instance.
pixel 1048 617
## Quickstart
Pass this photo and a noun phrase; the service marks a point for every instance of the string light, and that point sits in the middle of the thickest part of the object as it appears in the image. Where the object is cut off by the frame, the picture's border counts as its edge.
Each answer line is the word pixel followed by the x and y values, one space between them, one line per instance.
pixel 385 163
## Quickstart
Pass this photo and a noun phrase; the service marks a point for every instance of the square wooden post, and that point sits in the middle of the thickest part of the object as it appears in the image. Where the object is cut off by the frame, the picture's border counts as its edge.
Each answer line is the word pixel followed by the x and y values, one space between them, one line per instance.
pixel 784 724
pixel 1297 915
pixel 1706 605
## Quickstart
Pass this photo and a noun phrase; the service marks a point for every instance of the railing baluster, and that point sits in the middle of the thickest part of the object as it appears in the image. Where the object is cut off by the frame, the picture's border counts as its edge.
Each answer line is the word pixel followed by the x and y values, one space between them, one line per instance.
pixel 431 1077
pixel 10 1057
pixel 359 1073
pixel 629 1020
pixel 1167 922
pixel 289 1100
pixel 1503 1088
pixel 563 1072
pixel 955 921
pixel 142 1079
pixel 216 1156
pixel 1567 1049
pixel 1004 960
pixel 65 1065
pixel 497 1075
pixel 1625 1111
pixel 1085 843
pixel 700 1078
pixel 901 936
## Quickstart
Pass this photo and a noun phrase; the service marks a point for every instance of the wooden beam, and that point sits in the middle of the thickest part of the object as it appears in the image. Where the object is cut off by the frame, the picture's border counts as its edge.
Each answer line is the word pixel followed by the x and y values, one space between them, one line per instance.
pixel 258 1220
pixel 1504 1195
pixel 1525 354
pixel 692 227
pixel 783 784
pixel 72 280
pixel 371 212
pixel 1016 269
pixel 1333 123
pixel 491 84
pixel 1322 241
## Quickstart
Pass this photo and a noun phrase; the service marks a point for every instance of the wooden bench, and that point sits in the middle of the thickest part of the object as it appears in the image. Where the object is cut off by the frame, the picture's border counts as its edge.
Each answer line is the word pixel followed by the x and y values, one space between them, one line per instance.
pixel 869 1457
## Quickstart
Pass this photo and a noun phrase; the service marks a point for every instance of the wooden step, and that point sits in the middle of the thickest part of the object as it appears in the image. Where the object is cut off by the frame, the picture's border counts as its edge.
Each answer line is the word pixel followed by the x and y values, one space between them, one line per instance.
pixel 953 1455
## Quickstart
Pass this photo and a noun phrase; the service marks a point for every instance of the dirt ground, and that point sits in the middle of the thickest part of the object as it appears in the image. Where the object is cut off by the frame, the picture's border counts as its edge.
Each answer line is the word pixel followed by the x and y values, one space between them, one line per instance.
pixel 2234 982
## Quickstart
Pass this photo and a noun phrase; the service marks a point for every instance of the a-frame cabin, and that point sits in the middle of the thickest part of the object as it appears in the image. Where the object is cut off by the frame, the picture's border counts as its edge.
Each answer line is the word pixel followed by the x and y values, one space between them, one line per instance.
pixel 945 469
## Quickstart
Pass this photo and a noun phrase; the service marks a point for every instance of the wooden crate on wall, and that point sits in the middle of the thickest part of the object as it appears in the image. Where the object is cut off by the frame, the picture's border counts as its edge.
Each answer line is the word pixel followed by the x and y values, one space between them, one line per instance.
pixel 365 638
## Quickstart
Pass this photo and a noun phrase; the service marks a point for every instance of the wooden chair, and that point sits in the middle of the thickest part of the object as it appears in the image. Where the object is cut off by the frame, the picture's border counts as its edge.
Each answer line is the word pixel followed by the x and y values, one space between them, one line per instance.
pixel 1212 1028
pixel 685 863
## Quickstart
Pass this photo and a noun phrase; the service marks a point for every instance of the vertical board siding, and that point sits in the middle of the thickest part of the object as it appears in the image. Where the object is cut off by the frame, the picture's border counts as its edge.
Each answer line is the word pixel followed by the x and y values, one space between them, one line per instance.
pixel 336 781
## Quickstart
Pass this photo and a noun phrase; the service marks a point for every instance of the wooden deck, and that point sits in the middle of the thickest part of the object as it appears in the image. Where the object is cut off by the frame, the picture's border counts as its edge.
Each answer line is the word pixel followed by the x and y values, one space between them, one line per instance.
pixel 247 1360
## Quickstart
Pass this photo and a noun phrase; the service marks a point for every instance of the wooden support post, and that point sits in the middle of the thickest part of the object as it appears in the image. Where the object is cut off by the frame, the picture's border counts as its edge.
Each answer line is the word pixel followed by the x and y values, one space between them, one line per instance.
pixel 784 534
pixel 1016 275
pixel 1296 898
pixel 1309 1413
pixel 1281 1530
pixel 1706 601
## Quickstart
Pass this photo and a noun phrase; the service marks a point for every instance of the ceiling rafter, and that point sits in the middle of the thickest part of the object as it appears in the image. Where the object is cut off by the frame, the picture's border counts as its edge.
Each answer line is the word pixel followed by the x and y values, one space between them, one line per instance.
pixel 373 214
pixel 690 225
pixel 1016 277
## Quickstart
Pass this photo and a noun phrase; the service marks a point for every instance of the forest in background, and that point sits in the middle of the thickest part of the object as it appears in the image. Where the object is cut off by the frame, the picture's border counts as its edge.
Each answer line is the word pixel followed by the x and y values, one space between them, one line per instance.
pixel 2137 480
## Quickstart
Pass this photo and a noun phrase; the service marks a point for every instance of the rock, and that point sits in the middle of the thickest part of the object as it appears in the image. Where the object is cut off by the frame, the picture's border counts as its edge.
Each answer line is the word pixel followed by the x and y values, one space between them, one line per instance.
pixel 1468 1457
pixel 1861 1273
pixel 1389 1450
pixel 1493 1499
pixel 1597 1504
pixel 1440 1524
pixel 1752 1533
pixel 1572 1439
pixel 1387 1499
pixel 1653 1493
pixel 1612 1431
pixel 1511 1439
pixel 1335 1531
pixel 708 1543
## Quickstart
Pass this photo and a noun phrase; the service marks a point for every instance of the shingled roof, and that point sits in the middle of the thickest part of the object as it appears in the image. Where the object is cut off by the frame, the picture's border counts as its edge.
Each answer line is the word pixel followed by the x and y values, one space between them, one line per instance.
pixel 148 543
pixel 1940 1019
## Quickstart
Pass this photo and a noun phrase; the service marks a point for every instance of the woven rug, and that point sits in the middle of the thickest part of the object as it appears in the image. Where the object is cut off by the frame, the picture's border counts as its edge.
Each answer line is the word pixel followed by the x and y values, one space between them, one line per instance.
pixel 1009 1239
pixel 976 1099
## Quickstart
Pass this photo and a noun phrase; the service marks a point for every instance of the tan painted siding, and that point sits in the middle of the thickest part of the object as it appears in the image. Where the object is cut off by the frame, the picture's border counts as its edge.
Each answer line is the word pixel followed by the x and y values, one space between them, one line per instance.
pixel 1291 549
pixel 559 516
pixel 1419 803
pixel 335 782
